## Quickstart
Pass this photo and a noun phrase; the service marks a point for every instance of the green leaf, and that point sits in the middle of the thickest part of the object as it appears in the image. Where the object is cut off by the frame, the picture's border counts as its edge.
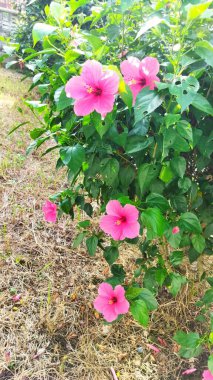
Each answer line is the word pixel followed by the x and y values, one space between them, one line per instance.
pixel 140 313
pixel 78 239
pixel 205 50
pixel 185 130
pixel 173 239
pixel 178 165
pixel 37 132
pixel 126 176
pixel 157 200
pixel 137 143
pixel 109 170
pixel 147 173
pixel 127 97
pixel 185 91
pixel 189 222
pixel 210 363
pixel 149 299
pixel 57 11
pixel 166 174
pixel 198 242
pixel 73 156
pixel 176 283
pixel 132 293
pixel 84 223
pixel 75 4
pixel 184 184
pixel 61 99
pixel 156 224
pixel 171 119
pixel 179 203
pixel 92 243
pixel 196 10
pixel 100 126
pixel 17 127
pixel 140 128
pixel 207 299
pixel 118 272
pixel 111 254
pixel 41 30
pixel 154 21
pixel 190 344
pixel 146 102
pixel 176 258
pixel 202 104
pixel 172 140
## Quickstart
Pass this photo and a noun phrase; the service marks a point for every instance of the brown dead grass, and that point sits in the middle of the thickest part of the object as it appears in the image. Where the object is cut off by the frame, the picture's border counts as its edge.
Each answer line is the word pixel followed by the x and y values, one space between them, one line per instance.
pixel 53 332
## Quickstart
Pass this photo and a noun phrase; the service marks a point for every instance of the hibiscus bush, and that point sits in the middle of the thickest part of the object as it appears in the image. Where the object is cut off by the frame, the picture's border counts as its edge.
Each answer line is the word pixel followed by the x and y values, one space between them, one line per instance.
pixel 125 99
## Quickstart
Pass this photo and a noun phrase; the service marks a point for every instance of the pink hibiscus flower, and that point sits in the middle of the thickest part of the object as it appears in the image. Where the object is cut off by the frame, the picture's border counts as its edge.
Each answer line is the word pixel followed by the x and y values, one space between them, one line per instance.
pixel 139 74
pixel 175 230
pixel 50 211
pixel 93 90
pixel 111 302
pixel 207 375
pixel 121 222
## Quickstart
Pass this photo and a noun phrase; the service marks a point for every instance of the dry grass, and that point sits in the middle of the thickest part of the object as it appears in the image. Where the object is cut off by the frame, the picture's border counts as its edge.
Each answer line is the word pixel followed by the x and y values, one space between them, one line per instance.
pixel 53 333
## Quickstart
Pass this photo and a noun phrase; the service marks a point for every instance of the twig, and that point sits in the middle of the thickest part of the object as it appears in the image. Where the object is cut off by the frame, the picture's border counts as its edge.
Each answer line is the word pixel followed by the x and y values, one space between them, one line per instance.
pixel 113 374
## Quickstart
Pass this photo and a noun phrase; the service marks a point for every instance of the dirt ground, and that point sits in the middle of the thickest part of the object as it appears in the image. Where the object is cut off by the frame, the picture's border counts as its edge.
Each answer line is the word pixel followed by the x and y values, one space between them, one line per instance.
pixel 53 332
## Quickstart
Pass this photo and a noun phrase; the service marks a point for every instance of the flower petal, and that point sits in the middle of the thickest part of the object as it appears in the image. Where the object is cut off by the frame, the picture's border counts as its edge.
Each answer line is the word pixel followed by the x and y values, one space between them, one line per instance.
pixel 110 313
pixel 122 307
pixel 149 66
pixel 105 290
pixel 130 68
pixel 92 72
pixel 109 82
pixel 189 371
pixel 114 208
pixel 131 230
pixel 84 106
pixel 75 88
pixel 131 213
pixel 104 103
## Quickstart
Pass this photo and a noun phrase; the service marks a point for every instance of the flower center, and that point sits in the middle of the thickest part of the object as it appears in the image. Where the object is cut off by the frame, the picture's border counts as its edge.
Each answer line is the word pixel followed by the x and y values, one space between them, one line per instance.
pixel 112 301
pixel 121 220
pixel 143 82
pixel 132 81
pixel 95 91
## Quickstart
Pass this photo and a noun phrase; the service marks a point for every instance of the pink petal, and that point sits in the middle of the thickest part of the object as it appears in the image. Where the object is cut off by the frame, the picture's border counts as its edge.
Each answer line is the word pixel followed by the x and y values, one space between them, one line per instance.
pixel 16 298
pixel 109 82
pixel 84 106
pixel 50 211
pixel 130 68
pixel 119 292
pixel 135 88
pixel 110 314
pixel 105 290
pixel 75 88
pixel 131 230
pixel 100 303
pixel 104 103
pixel 107 223
pixel 122 307
pixel 149 66
pixel 152 347
pixel 175 230
pixel 131 213
pixel 207 375
pixel 189 371
pixel 92 72
pixel 114 208
pixel 150 82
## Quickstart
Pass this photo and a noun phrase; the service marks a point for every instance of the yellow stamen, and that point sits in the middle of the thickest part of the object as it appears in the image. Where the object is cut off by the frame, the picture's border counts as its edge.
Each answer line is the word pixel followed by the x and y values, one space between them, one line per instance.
pixel 118 222
pixel 133 81
pixel 89 90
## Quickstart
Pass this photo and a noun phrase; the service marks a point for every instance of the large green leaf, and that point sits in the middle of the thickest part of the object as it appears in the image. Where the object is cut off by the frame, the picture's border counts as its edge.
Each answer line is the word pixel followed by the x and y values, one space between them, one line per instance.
pixel 137 143
pixel 92 243
pixel 172 140
pixel 189 342
pixel 157 200
pixel 196 10
pixel 146 102
pixel 205 50
pixel 202 104
pixel 149 299
pixel 155 222
pixel 62 101
pixel 185 89
pixel 140 313
pixel 73 156
pixel 109 170
pixel 178 165
pixel 189 222
pixel 198 242
pixel 147 173
pixel 111 254
pixel 41 30
pixel 176 283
